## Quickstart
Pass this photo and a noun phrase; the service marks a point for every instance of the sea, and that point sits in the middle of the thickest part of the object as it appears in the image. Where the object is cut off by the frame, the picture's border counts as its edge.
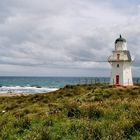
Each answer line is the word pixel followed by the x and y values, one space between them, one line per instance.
pixel 32 85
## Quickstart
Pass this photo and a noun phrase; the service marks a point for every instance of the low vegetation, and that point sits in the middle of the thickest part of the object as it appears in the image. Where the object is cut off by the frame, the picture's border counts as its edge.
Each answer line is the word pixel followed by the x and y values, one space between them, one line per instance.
pixel 81 112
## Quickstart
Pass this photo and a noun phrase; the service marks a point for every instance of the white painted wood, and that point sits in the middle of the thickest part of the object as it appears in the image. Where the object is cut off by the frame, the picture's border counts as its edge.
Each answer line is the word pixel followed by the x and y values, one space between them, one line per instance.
pixel 121 62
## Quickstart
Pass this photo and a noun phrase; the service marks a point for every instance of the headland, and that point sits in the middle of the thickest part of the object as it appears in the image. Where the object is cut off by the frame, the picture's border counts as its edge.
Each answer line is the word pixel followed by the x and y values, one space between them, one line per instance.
pixel 74 112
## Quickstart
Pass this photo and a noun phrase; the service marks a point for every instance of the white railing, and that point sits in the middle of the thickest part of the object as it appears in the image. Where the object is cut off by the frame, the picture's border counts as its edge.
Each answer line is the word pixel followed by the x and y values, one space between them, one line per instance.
pixel 121 58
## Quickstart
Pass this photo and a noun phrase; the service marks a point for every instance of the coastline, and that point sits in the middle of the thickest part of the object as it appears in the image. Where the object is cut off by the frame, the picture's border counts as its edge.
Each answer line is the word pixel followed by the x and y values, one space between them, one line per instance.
pixel 19 90
pixel 13 94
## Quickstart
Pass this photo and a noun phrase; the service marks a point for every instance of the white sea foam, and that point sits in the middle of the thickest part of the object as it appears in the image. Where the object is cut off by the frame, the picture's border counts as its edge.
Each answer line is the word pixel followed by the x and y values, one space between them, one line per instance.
pixel 26 89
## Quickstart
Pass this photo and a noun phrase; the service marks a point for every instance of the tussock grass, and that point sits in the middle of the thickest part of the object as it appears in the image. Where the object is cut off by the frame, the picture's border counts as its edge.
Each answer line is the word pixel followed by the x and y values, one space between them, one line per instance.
pixel 83 112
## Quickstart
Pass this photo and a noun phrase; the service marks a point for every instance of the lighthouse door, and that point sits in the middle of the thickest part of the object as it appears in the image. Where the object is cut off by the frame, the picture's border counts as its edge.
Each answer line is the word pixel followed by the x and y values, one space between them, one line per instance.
pixel 117 79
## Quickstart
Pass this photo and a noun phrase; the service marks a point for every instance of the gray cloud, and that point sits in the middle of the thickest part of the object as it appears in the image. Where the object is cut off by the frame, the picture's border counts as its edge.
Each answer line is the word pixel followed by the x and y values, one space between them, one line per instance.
pixel 65 37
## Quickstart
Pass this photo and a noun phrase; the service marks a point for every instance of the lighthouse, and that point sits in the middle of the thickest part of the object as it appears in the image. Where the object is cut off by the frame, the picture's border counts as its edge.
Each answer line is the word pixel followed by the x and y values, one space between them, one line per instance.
pixel 121 61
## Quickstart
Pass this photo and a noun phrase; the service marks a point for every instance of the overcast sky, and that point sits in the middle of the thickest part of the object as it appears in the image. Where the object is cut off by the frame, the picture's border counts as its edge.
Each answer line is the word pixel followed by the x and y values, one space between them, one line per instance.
pixel 66 37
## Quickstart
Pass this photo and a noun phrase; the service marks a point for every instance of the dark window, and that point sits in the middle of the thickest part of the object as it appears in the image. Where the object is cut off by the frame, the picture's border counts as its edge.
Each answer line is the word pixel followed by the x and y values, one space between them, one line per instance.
pixel 118 65
pixel 118 56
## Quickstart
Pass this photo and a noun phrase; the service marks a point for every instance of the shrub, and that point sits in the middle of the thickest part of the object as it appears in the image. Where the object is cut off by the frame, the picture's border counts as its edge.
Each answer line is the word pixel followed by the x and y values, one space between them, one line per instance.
pixel 48 122
pixel 96 134
pixel 94 113
pixel 69 86
pixel 107 94
pixel 10 106
pixel 21 124
pixel 39 133
pixel 74 112
pixel 131 130
pixel 21 112
pixel 98 98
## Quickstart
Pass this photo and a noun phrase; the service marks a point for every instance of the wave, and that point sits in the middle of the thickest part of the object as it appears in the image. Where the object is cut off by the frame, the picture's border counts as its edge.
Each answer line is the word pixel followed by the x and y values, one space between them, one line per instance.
pixel 26 89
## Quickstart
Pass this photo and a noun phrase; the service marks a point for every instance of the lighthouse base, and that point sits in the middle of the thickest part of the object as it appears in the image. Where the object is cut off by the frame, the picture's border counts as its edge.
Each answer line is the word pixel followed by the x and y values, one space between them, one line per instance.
pixel 122 75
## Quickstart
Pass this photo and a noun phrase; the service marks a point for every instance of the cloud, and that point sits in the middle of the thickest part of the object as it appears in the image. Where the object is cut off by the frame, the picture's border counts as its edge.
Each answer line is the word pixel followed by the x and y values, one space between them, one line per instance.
pixel 52 36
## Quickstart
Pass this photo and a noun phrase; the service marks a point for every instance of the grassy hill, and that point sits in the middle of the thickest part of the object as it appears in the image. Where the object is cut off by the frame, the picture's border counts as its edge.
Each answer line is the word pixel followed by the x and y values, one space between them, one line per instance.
pixel 81 112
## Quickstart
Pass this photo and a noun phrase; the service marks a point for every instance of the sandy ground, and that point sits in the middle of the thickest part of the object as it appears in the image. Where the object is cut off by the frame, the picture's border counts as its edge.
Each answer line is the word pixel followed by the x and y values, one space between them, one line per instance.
pixel 13 94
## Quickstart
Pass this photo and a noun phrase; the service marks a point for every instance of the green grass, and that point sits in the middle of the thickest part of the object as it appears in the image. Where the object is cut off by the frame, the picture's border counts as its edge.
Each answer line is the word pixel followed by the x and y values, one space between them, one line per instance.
pixel 81 112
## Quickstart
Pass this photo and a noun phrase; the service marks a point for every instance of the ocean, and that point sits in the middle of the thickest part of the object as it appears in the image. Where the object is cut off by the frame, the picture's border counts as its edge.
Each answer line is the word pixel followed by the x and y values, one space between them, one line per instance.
pixel 43 84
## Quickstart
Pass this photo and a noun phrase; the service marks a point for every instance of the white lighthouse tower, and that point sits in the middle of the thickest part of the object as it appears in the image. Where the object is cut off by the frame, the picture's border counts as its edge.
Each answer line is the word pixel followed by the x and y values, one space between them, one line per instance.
pixel 121 64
